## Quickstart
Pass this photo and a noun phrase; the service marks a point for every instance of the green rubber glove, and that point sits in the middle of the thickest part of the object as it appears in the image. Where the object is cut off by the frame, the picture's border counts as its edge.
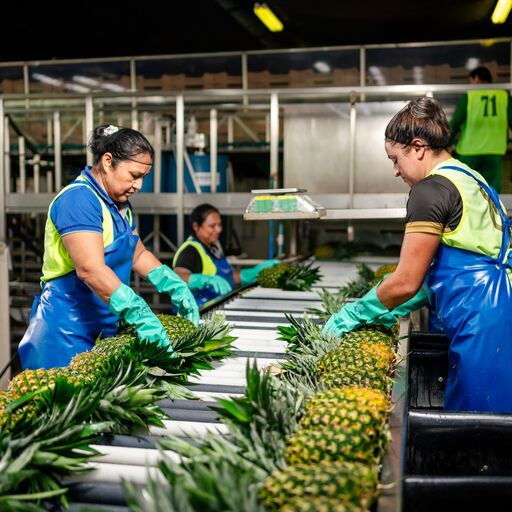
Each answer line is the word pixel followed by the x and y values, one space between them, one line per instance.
pixel 249 275
pixel 198 281
pixel 368 310
pixel 165 280
pixel 126 304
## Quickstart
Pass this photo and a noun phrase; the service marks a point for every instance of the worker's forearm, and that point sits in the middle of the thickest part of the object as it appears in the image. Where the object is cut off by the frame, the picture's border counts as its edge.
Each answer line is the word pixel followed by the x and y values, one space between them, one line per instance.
pixel 102 281
pixel 236 277
pixel 145 261
pixel 183 272
pixel 394 291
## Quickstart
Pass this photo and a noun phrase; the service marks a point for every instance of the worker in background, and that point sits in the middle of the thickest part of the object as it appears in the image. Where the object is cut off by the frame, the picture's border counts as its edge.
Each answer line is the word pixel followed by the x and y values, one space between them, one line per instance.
pixel 200 260
pixel 482 118
pixel 91 247
pixel 457 242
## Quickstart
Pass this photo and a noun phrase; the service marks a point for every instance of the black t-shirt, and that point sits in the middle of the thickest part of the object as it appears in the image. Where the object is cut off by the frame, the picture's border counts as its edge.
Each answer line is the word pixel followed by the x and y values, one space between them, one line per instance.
pixel 190 259
pixel 434 206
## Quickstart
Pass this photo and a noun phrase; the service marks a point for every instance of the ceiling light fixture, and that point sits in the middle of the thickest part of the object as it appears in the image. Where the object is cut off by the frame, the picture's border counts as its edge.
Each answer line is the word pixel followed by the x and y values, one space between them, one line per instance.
pixel 268 18
pixel 501 11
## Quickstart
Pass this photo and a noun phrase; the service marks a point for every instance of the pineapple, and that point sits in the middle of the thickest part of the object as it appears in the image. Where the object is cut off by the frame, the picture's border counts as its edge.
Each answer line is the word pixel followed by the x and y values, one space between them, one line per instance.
pixel 87 367
pixel 270 277
pixel 358 361
pixel 343 423
pixel 176 326
pixel 289 277
pixel 345 483
pixel 32 381
pixel 113 347
pixel 321 504
pixel 29 381
pixel 371 333
pixel 4 400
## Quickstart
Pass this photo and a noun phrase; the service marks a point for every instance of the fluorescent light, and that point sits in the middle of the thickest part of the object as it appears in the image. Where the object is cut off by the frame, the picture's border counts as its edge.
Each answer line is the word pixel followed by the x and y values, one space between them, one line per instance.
pixel 501 11
pixel 268 18
pixel 322 67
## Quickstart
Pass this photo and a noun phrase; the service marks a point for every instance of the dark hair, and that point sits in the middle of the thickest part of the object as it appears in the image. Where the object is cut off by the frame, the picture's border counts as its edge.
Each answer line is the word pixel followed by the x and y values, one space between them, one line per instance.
pixel 483 73
pixel 200 213
pixel 123 143
pixel 422 118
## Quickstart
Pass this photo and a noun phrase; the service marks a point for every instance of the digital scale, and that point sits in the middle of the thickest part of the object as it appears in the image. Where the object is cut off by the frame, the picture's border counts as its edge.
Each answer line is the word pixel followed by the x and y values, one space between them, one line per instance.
pixel 282 204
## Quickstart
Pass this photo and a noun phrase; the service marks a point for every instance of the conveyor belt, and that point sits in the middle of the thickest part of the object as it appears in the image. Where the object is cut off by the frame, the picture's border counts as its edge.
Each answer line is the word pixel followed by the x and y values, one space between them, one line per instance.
pixel 255 316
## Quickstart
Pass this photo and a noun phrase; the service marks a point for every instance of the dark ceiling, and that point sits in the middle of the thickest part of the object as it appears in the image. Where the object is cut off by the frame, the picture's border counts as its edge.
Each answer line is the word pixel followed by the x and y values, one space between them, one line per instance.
pixel 37 31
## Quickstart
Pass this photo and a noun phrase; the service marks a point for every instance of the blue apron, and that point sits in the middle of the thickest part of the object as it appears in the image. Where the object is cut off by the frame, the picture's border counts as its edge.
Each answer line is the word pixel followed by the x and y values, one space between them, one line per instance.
pixel 67 317
pixel 224 269
pixel 472 296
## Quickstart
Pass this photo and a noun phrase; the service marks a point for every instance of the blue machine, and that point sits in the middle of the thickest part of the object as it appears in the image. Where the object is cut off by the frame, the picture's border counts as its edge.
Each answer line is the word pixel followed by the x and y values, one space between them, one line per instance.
pixel 201 165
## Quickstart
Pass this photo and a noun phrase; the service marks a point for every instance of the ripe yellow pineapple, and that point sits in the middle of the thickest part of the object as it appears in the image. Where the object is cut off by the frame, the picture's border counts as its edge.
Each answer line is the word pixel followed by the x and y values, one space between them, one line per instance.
pixel 360 360
pixel 88 366
pixel 176 326
pixel 341 424
pixel 270 277
pixel 345 483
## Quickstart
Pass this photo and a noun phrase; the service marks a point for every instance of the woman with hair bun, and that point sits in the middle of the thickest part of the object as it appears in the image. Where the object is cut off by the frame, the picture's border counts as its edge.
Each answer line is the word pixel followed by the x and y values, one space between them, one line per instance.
pixel 457 244
pixel 91 247
pixel 200 260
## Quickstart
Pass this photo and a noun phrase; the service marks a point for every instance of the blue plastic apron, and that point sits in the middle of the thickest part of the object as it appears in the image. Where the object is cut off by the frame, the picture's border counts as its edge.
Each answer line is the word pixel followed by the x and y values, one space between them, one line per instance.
pixel 224 269
pixel 67 317
pixel 472 296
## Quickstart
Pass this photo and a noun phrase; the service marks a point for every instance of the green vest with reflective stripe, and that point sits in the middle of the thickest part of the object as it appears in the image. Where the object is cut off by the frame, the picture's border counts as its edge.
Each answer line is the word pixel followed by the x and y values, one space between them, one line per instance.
pixel 480 227
pixel 56 260
pixel 209 267
pixel 485 130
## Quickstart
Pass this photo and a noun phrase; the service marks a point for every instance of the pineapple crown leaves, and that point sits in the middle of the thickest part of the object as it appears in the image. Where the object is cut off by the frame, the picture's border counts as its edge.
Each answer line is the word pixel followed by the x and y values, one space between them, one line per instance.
pixel 290 277
pixel 192 351
pixel 331 303
pixel 266 402
pixel 215 476
pixel 360 285
pixel 55 443
pixel 301 367
pixel 299 333
pixel 301 277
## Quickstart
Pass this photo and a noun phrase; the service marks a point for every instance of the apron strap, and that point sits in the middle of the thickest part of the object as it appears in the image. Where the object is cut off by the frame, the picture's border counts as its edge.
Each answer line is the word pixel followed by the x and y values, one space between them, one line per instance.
pixel 504 257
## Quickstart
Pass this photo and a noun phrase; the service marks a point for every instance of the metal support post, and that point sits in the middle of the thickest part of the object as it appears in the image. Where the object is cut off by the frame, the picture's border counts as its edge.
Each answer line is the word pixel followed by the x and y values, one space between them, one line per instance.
pixel 37 178
pixel 293 237
pixel 21 156
pixel 231 132
pixel 7 152
pixel 3 176
pixel 157 164
pixel 362 70
pixel 274 163
pixel 245 78
pixel 133 84
pixel 5 330
pixel 57 151
pixel 89 125
pixel 274 140
pixel 351 162
pixel 213 150
pixel 180 135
